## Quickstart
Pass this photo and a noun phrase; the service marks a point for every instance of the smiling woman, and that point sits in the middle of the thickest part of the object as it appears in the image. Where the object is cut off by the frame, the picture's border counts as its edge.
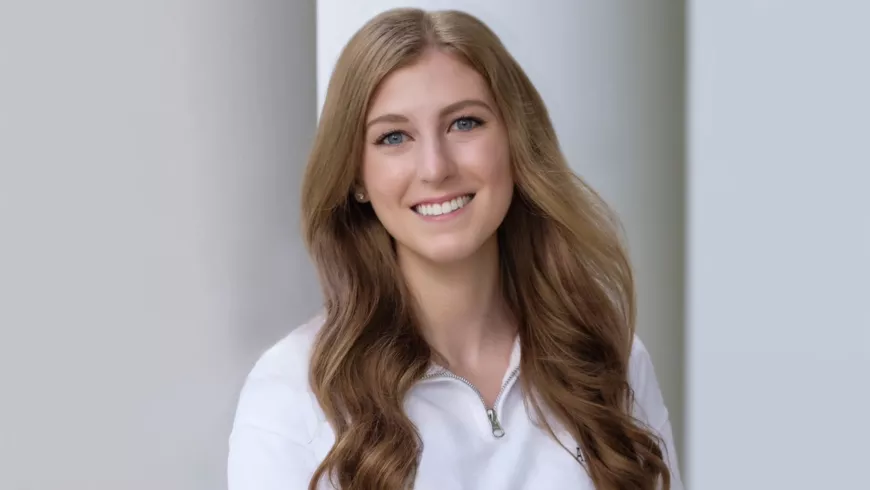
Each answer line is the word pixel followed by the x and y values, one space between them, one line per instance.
pixel 479 320
pixel 437 170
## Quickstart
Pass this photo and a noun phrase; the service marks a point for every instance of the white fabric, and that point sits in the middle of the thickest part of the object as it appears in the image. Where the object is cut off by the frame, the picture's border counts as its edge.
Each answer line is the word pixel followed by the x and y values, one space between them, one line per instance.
pixel 280 434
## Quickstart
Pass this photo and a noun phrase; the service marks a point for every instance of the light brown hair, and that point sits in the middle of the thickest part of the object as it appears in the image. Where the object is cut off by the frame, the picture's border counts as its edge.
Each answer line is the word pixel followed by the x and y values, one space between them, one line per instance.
pixel 564 271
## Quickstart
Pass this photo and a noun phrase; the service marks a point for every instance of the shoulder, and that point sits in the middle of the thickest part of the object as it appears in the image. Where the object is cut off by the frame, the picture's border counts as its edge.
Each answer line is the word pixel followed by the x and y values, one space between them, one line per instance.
pixel 289 358
pixel 640 362
pixel 649 405
pixel 276 396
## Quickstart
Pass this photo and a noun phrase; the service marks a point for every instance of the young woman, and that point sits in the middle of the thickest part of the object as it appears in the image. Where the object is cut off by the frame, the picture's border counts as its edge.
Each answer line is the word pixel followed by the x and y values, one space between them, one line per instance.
pixel 478 330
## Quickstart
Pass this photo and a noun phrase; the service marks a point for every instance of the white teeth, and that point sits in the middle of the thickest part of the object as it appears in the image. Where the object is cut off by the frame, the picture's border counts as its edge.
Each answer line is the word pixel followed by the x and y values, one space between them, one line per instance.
pixel 442 208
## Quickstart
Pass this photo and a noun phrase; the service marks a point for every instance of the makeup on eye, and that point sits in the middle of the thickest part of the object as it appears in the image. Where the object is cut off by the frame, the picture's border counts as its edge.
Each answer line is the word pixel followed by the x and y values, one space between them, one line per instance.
pixel 472 121
pixel 383 139
pixel 462 124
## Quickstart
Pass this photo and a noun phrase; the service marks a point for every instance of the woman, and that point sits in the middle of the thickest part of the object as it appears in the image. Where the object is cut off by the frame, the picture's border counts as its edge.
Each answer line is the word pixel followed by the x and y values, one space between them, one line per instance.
pixel 478 330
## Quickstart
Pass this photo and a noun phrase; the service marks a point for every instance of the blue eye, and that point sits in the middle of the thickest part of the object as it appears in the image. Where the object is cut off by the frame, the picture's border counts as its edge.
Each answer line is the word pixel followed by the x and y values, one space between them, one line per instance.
pixel 466 123
pixel 392 139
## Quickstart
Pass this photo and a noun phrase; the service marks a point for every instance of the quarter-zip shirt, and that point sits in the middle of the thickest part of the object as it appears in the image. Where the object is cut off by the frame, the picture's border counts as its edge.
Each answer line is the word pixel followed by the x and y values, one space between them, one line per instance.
pixel 280 434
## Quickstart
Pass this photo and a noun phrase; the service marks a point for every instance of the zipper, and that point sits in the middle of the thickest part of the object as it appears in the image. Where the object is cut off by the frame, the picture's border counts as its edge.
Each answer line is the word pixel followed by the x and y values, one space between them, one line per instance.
pixel 491 413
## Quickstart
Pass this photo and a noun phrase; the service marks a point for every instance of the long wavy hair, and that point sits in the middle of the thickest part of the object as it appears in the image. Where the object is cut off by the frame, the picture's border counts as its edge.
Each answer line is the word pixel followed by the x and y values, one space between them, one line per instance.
pixel 564 269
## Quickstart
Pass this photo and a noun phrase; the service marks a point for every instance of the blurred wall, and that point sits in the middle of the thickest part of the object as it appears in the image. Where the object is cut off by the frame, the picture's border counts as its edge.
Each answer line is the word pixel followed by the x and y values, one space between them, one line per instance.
pixel 779 245
pixel 611 74
pixel 150 156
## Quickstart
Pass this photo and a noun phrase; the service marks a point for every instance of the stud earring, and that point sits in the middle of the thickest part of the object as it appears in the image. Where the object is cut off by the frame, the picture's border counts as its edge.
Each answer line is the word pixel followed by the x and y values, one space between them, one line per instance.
pixel 360 196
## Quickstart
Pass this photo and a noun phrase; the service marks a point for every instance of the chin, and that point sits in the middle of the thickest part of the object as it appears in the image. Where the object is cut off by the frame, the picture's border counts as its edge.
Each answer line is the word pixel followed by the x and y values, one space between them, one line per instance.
pixel 445 252
pixel 445 255
pixel 441 252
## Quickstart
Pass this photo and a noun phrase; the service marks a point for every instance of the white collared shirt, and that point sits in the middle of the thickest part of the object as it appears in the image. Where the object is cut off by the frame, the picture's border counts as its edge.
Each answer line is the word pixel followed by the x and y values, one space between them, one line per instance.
pixel 280 434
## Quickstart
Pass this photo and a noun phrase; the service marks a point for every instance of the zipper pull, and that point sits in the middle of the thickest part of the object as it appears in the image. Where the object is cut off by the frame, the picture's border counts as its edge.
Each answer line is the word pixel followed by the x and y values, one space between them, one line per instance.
pixel 497 431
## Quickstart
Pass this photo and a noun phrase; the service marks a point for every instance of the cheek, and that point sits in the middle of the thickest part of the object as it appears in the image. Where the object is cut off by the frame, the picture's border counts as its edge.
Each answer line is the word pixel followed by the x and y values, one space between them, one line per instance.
pixel 385 179
pixel 490 163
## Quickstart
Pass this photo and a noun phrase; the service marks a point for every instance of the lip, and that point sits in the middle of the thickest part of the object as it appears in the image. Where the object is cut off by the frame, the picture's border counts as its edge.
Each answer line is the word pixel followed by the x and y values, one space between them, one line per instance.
pixel 444 198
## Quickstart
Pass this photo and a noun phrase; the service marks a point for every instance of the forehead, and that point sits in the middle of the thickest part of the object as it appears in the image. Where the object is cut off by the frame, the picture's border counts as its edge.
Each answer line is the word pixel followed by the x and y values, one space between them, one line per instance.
pixel 435 80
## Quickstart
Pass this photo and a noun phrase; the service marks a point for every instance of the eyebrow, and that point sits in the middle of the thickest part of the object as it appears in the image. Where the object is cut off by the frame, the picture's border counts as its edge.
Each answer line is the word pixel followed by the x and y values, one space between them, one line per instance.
pixel 454 107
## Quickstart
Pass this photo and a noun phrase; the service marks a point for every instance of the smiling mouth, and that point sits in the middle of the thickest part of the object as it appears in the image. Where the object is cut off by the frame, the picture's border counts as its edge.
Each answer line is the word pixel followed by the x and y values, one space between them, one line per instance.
pixel 446 207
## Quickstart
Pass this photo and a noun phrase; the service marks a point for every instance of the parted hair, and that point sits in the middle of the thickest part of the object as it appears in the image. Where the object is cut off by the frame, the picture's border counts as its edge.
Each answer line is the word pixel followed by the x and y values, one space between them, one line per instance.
pixel 564 271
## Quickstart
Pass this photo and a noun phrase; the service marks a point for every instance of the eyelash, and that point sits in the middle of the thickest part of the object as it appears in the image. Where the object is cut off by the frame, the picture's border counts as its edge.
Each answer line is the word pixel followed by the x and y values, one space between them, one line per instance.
pixel 476 120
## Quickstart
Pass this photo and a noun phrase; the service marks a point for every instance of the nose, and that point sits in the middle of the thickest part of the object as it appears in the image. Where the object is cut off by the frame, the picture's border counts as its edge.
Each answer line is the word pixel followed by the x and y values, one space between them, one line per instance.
pixel 435 162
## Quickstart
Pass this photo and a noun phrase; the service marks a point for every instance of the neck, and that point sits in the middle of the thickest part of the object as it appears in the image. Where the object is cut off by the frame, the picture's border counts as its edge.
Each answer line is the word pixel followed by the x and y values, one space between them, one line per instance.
pixel 460 306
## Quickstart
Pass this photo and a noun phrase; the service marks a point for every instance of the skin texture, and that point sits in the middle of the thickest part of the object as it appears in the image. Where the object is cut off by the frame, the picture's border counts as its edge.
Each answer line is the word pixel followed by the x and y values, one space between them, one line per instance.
pixel 415 151
pixel 433 133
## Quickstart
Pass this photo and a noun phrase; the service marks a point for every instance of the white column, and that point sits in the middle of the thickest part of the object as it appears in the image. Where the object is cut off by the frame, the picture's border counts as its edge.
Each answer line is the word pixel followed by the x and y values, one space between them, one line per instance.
pixel 611 74
pixel 150 161
pixel 779 245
